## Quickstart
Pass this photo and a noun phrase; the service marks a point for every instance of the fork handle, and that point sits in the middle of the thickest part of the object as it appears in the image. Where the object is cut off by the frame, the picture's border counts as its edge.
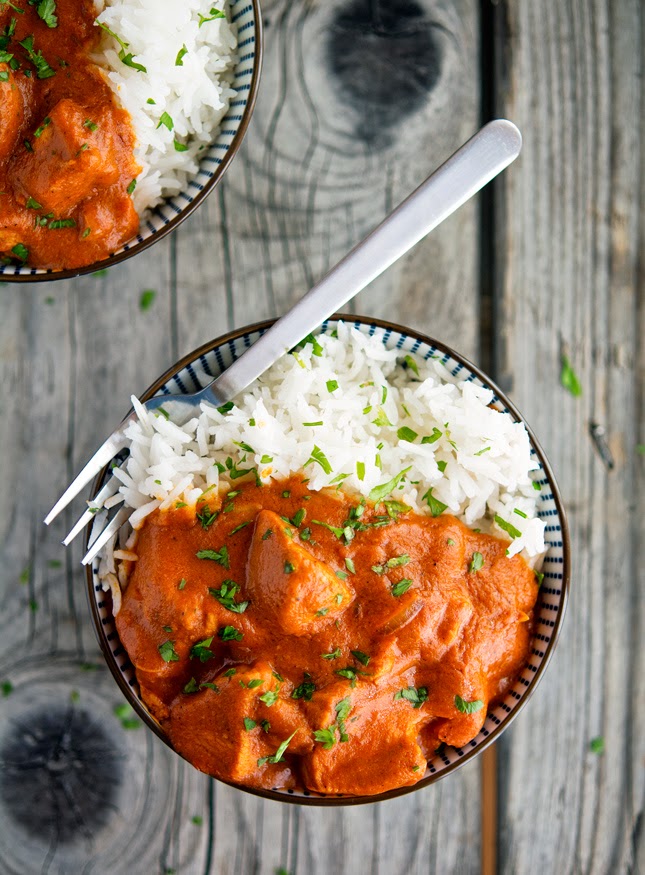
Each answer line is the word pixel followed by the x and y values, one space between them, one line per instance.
pixel 471 167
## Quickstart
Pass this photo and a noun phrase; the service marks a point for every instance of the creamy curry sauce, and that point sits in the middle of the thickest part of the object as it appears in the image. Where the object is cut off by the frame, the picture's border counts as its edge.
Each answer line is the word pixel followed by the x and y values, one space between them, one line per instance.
pixel 361 641
pixel 67 169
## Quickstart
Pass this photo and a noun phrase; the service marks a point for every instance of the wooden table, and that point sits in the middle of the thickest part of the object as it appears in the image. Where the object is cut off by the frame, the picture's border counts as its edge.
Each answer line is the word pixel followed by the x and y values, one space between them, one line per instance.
pixel 360 100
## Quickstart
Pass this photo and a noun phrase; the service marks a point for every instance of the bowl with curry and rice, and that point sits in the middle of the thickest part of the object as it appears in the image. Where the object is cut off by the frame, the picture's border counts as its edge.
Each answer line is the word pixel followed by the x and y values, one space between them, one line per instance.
pixel 341 586
pixel 117 118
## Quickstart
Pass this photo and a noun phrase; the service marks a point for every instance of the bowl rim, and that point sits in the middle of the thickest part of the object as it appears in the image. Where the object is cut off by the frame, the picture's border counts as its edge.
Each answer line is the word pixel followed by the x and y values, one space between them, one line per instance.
pixel 51 275
pixel 284 795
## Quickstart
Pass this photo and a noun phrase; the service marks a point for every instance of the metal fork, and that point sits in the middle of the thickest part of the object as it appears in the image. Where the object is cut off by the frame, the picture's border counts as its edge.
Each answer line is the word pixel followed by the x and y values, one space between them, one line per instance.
pixel 471 167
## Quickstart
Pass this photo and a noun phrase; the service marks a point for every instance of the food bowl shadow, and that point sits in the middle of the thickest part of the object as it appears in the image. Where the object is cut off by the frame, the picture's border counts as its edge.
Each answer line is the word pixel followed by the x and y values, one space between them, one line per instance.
pixel 550 608
pixel 168 216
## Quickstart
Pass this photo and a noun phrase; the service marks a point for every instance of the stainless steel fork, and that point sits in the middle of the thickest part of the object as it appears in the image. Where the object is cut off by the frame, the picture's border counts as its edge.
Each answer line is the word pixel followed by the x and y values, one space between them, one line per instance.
pixel 471 167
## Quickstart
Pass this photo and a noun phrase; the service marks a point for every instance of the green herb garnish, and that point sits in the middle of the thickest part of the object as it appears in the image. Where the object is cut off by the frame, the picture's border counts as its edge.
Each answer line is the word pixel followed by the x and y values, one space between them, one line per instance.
pixel 219 556
pixel 277 756
pixel 167 651
pixel 477 562
pixel 436 507
pixel 402 586
pixel 147 299
pixel 380 492
pixel 416 696
pixel 509 528
pixel 201 650
pixel 230 633
pixel 468 707
pixel 225 595
pixel 569 379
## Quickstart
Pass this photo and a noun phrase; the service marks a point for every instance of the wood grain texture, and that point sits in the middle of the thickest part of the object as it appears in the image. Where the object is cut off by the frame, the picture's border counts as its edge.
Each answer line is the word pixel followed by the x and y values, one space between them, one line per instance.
pixel 571 281
pixel 315 175
pixel 323 162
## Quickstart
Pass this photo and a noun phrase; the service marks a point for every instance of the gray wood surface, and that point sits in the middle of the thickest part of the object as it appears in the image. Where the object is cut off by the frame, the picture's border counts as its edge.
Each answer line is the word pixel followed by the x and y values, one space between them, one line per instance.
pixel 570 278
pixel 330 151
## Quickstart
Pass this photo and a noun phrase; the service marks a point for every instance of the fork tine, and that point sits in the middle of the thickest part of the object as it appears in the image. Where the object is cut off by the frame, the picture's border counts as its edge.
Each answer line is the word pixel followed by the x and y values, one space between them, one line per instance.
pixel 114 444
pixel 110 489
pixel 112 527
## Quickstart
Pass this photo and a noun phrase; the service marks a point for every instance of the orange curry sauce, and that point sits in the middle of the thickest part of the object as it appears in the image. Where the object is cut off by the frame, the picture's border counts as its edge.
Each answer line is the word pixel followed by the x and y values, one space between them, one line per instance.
pixel 66 149
pixel 353 641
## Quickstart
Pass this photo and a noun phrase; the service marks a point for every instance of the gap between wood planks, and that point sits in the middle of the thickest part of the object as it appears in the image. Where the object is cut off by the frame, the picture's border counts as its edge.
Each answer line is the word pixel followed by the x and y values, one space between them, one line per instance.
pixel 488 268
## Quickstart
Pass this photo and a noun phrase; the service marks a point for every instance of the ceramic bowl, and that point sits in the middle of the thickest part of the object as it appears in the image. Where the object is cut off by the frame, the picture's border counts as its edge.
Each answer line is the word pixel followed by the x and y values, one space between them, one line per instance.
pixel 198 368
pixel 171 213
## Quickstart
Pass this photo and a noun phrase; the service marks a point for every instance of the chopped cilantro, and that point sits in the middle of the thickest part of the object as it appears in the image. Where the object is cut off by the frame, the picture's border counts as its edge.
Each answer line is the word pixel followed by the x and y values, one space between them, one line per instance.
pixel 407 434
pixel 333 655
pixel 201 650
pixel 167 651
pixel 269 698
pixel 332 385
pixel 477 562
pixel 380 492
pixel 225 595
pixel 305 691
pixel 230 633
pixel 416 696
pixel 436 507
pixel 318 456
pixel 509 528
pixel 219 556
pixel 381 419
pixel 207 517
pixel 179 60
pixel 212 15
pixel 597 745
pixel 569 379
pixel 147 299
pixel 432 438
pixel 20 251
pixel 468 707
pixel 402 586
pixel 298 517
pixel 277 756
pixel 249 724
pixel 267 534
pixel 410 362
pixel 166 121
pixel 363 658
pixel 43 70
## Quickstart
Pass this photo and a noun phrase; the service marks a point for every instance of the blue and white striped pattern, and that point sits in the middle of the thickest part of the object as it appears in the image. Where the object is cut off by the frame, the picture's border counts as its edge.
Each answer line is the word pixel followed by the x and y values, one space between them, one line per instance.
pixel 243 15
pixel 553 592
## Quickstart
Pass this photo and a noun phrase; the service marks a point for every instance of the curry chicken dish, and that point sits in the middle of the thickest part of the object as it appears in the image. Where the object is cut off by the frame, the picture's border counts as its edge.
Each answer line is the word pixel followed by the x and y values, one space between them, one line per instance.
pixel 289 638
pixel 67 169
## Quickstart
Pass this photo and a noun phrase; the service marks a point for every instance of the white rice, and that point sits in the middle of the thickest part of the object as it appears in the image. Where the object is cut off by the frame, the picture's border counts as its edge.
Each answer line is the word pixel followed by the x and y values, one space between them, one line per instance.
pixel 194 94
pixel 478 464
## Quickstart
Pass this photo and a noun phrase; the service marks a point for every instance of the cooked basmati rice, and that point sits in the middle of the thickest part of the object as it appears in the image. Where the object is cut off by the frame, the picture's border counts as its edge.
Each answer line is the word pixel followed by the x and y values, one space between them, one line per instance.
pixel 352 415
pixel 180 97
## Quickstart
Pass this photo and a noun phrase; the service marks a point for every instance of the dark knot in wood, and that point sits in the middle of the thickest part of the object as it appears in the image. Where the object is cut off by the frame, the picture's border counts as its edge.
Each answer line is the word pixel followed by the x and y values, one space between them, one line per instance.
pixel 386 59
pixel 59 775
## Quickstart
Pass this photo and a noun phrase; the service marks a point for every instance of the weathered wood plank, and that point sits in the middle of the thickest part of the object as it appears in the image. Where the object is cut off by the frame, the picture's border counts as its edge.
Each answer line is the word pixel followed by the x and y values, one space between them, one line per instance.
pixel 569 259
pixel 314 176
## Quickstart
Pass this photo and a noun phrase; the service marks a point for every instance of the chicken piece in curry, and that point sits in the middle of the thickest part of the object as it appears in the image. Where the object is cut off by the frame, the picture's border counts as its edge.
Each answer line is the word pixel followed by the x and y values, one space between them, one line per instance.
pixel 289 638
pixel 67 169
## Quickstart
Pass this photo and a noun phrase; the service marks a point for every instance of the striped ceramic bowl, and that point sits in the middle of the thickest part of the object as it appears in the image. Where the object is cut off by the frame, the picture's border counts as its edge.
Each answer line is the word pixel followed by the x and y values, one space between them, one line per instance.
pixel 169 214
pixel 196 370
